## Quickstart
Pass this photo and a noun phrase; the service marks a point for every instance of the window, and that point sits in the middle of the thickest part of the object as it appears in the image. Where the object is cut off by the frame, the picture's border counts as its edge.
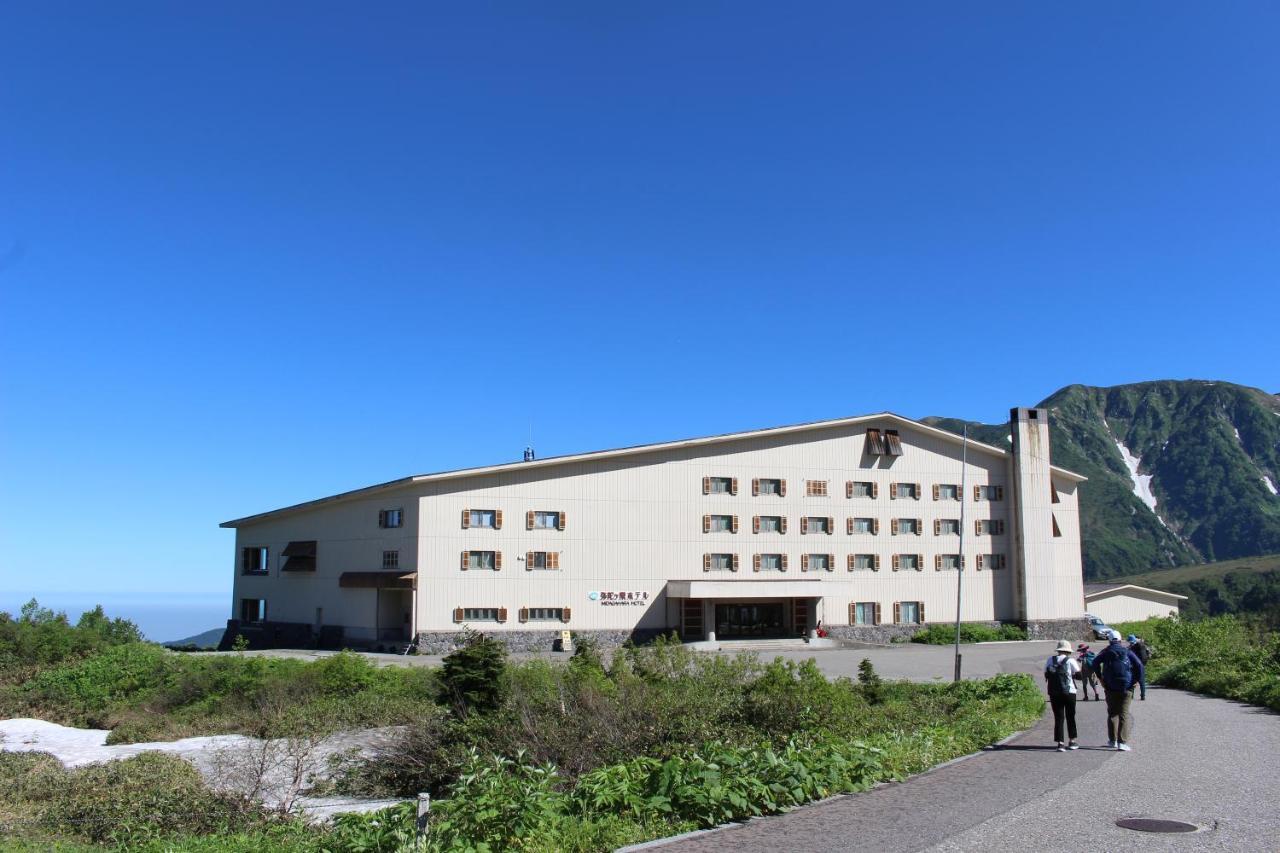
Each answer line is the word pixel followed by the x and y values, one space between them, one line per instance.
pixel 390 559
pixel 253 610
pixel 719 562
pixel 719 485
pixel 864 613
pixel 766 486
pixel 770 524
pixel 946 492
pixel 544 520
pixel 816 562
pixel 864 525
pixel 860 489
pixel 989 526
pixel 904 491
pixel 947 562
pixel 816 524
pixel 771 562
pixel 874 444
pixel 719 524
pixel 254 561
pixel 909 613
pixel 946 527
pixel 815 488
pixel 479 614
pixel 864 563
pixel 482 518
pixel 299 556
pixel 991 561
pixel 892 443
pixel 390 517
pixel 905 562
pixel 905 526
pixel 542 561
pixel 482 560
pixel 988 493
pixel 544 614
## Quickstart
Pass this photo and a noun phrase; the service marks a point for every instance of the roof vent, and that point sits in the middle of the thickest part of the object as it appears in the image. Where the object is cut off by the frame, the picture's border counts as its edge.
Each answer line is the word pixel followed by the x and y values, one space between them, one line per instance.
pixel 528 454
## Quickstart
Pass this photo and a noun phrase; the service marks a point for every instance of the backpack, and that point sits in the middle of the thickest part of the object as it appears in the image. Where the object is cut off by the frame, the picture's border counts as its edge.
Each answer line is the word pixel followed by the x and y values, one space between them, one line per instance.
pixel 1117 672
pixel 1059 676
pixel 1142 650
pixel 1089 658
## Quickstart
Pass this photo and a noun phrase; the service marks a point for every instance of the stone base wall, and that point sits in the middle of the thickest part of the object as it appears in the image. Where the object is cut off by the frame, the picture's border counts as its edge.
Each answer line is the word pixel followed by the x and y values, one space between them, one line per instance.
pixel 443 642
pixel 1057 629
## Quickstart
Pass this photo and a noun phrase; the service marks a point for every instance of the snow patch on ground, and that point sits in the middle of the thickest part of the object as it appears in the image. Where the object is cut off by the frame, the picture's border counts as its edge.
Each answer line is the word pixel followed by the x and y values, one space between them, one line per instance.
pixel 1270 485
pixel 1141 482
pixel 211 755
pixel 1237 432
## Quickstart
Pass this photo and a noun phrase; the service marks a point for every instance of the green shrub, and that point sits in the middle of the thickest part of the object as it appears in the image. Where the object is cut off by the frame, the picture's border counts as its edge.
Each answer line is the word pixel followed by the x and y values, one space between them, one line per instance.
pixel 496 804
pixel 970 632
pixel 472 677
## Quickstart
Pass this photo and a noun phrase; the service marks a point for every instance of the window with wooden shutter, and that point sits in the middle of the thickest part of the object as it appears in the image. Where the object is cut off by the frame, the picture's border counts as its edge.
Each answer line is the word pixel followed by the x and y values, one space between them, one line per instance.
pixel 553 559
pixel 782 525
pixel 917 490
pixel 782 488
pixel 466 560
pixel 849 562
pixel 853 613
pixel 755 524
pixel 937 527
pixel 981 561
pixel 706 562
pixel 564 617
pixel 804 562
pixel 892 443
pixel 919 526
pixel 874 445
pixel 458 614
pixel 848 526
pixel 502 614
pixel 734 526
pixel 560 520
pixel 897 612
pixel 528 520
pixel 896 562
pixel 920 612
pixel 784 562
pixel 733 486
pixel 848 489
pixel 735 562
pixel 876 565
pixel 524 614
pixel 875 490
pixel 919 562
pixel 466 519
pixel 755 487
pixel 876 610
pixel 937 562
pixel 497 560
pixel 755 563
pixel 528 561
pixel 804 524
pixel 936 491
pixel 875 527
pixel 893 491
pixel 497 520
pixel 831 525
pixel 706 524
pixel 706 485
pixel 977 493
pixel 893 527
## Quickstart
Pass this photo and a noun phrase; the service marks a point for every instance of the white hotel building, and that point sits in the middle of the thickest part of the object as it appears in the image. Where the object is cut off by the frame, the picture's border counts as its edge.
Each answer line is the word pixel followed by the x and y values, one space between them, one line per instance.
pixel 853 524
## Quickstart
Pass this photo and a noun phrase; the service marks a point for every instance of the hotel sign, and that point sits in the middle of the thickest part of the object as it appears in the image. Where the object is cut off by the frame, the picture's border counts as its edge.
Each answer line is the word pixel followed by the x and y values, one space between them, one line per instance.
pixel 620 599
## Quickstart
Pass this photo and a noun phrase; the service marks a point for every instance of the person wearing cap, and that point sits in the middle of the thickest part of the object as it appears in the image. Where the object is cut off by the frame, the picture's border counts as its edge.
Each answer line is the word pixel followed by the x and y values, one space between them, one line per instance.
pixel 1060 673
pixel 1139 647
pixel 1120 670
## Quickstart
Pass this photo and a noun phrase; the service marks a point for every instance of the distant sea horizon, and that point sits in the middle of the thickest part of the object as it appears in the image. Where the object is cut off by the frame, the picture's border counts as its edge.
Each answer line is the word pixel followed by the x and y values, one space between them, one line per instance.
pixel 162 618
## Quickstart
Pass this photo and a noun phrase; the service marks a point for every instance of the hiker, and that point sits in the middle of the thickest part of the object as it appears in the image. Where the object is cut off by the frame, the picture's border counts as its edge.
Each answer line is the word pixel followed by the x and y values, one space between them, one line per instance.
pixel 1142 649
pixel 1120 669
pixel 1088 675
pixel 1059 673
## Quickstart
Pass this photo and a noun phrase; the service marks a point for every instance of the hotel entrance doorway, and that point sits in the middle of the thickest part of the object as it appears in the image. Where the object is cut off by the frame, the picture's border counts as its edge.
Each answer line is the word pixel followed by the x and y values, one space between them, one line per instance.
pixel 745 621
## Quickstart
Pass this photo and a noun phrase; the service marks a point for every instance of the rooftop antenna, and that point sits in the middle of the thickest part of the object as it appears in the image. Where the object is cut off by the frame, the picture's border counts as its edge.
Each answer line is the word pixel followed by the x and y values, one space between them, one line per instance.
pixel 529 455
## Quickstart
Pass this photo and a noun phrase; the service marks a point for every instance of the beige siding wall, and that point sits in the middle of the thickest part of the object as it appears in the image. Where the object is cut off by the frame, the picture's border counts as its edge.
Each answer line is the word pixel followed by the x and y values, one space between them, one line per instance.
pixel 1130 607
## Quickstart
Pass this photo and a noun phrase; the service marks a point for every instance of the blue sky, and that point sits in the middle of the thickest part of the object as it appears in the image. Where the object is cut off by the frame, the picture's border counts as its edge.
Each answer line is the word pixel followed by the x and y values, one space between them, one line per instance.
pixel 251 254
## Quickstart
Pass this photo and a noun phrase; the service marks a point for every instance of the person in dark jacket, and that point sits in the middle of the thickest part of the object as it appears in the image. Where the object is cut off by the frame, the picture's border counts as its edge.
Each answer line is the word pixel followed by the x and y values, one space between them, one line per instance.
pixel 1139 647
pixel 1120 669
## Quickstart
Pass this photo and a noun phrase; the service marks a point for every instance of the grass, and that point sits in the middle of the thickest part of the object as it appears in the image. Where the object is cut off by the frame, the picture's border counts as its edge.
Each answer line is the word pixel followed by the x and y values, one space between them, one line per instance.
pixel 1202 571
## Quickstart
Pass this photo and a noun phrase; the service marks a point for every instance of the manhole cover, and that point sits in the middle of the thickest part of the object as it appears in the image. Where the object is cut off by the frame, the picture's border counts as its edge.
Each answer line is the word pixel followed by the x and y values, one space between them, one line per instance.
pixel 1151 824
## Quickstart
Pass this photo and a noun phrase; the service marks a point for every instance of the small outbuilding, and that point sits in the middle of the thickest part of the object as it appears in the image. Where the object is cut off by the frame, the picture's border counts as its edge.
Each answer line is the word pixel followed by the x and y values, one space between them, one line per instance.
pixel 1126 602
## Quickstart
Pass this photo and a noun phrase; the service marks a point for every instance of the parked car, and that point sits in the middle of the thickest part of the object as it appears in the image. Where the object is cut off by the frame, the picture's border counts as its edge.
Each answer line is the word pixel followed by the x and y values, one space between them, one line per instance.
pixel 1100 629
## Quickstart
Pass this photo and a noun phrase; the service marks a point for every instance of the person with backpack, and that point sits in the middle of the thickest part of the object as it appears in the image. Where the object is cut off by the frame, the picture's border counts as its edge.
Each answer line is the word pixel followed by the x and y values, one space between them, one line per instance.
pixel 1059 673
pixel 1142 649
pixel 1088 676
pixel 1120 669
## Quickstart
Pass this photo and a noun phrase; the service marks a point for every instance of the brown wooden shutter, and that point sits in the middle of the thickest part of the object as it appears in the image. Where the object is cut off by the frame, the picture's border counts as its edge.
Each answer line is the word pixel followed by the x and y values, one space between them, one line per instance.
pixel 936 491
pixel 466 519
pixel 466 560
pixel 502 614
pixel 848 526
pixel 999 493
pixel 733 486
pixel 782 488
pixel 755 524
pixel 977 527
pixel 755 487
pixel 706 562
pixel 937 562
pixel 1000 526
pixel 804 562
pixel 783 525
pixel 919 562
pixel 524 614
pixel 706 485
pixel 893 527
pixel 382 518
pixel 921 612
pixel 497 560
pixel 937 527
pixel 553 559
pixel 755 563
pixel 528 520
pixel 875 490
pixel 849 561
pixel 962 562
pixel 893 491
pixel 566 614
pixel 848 488
pixel 875 527
pixel 706 524
pixel 804 524
pixel 528 561
pixel 831 562
pixel 980 561
pixel 560 523
pixel 853 613
pixel 977 493
pixel 458 615
pixel 735 562
pixel 784 562
pixel 897 612
pixel 876 616
pixel 875 563
pixel 497 519
pixel 919 490
pixel 733 527
pixel 896 561
pixel 919 526
pixel 831 525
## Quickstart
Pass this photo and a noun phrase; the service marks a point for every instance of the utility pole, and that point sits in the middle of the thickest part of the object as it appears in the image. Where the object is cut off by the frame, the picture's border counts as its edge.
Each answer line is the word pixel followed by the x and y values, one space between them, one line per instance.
pixel 964 466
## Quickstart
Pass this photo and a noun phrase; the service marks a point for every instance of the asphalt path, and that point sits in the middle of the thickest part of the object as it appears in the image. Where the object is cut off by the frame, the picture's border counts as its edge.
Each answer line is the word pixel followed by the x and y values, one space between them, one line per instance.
pixel 1199 760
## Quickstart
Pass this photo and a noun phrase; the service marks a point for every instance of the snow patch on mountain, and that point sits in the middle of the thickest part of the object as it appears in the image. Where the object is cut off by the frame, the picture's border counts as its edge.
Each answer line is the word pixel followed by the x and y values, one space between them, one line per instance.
pixel 1270 485
pixel 1141 482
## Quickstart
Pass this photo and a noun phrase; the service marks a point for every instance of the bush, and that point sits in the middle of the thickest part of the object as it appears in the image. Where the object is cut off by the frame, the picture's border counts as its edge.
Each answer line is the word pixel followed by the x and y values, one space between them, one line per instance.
pixel 970 632
pixel 471 678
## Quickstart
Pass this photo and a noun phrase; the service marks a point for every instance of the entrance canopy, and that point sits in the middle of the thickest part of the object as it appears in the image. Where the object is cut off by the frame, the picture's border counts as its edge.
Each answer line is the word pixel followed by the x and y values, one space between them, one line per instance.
pixel 378 580
pixel 746 588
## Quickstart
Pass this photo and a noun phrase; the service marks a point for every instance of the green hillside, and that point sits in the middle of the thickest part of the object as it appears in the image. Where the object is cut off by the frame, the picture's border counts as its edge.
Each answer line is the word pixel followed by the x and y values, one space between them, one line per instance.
pixel 1246 586
pixel 1211 449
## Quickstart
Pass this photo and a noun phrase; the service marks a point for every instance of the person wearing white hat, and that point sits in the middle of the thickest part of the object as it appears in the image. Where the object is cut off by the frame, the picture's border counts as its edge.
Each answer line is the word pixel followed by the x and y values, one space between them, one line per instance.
pixel 1060 673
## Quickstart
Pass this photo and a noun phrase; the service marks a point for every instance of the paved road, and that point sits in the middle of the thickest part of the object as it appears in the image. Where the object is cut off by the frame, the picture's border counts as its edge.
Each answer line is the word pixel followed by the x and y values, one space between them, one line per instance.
pixel 1205 761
